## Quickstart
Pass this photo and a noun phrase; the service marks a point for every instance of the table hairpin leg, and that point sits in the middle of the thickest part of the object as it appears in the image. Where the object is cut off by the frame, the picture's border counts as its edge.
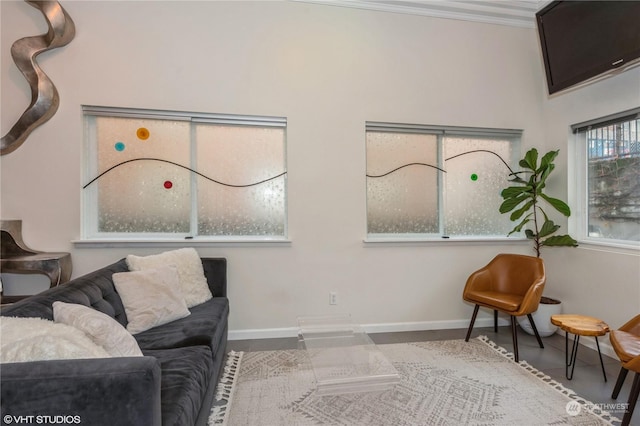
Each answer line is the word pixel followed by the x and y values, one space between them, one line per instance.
pixel 570 360
pixel 601 363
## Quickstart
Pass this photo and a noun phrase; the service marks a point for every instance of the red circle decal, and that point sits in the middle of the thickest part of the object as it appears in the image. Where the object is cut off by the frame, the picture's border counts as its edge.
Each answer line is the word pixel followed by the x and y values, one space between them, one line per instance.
pixel 168 184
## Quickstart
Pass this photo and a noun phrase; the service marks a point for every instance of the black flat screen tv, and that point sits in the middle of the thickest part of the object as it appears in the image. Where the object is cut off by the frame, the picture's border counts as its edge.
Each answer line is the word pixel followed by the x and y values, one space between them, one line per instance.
pixel 583 39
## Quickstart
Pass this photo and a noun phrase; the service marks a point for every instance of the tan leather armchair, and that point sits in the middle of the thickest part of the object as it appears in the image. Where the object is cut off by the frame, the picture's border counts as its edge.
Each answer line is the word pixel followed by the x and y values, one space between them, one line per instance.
pixel 510 283
pixel 626 343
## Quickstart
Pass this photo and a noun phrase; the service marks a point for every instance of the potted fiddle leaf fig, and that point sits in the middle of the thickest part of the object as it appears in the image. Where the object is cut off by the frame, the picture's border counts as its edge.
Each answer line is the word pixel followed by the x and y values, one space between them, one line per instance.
pixel 526 200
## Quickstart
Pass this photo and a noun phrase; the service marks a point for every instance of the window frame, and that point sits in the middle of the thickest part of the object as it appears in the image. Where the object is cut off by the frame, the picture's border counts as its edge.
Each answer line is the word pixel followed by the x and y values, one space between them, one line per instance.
pixel 441 132
pixel 90 233
pixel 578 168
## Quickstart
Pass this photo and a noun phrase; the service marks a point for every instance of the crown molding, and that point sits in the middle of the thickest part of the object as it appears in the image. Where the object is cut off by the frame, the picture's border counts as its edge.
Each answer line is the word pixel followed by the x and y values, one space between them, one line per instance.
pixel 514 13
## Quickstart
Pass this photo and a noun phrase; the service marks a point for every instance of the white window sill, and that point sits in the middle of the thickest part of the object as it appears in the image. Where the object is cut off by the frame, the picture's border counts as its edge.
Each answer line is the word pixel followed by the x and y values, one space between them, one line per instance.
pixel 443 240
pixel 610 247
pixel 190 242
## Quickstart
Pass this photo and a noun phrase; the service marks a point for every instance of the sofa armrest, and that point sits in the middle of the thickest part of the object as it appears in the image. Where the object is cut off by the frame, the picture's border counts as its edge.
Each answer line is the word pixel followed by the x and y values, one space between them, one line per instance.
pixel 215 269
pixel 105 391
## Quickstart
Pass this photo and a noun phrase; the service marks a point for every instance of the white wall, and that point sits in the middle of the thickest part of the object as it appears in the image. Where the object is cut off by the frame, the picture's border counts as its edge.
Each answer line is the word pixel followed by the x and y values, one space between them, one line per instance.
pixel 600 282
pixel 328 70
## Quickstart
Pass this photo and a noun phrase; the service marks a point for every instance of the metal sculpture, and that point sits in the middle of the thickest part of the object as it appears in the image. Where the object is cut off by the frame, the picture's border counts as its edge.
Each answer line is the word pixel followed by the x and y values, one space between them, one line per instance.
pixel 44 96
pixel 16 257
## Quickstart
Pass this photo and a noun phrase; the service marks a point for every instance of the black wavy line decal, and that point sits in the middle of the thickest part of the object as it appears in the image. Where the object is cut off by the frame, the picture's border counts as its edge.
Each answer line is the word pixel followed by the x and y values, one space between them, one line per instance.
pixel 407 165
pixel 44 96
pixel 511 172
pixel 183 167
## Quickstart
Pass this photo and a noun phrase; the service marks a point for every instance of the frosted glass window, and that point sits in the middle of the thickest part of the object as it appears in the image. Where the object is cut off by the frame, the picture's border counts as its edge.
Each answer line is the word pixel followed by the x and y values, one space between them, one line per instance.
pixel 179 175
pixel 437 181
pixel 475 176
pixel 241 156
pixel 133 197
pixel 400 195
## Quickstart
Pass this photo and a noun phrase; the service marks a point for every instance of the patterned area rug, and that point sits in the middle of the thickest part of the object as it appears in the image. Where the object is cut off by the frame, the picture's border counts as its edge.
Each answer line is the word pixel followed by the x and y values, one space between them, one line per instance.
pixel 450 382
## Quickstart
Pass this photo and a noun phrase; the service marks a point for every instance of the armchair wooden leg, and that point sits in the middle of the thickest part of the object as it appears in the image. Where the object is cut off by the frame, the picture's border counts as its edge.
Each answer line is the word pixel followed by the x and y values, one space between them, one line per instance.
pixel 535 330
pixel 633 398
pixel 473 320
pixel 495 320
pixel 621 378
pixel 514 333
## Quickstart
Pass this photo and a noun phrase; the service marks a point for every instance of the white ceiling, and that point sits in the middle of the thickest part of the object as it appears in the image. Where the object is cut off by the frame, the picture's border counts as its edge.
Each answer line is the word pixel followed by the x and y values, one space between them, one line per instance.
pixel 519 13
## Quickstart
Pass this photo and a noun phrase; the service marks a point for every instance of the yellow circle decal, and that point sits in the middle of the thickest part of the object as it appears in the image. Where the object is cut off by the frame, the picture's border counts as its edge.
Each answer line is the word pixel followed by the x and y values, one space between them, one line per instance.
pixel 143 133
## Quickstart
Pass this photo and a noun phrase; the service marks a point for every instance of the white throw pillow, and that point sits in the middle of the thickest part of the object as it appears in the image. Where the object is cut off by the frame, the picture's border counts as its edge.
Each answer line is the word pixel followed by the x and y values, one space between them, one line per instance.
pixel 37 339
pixel 101 328
pixel 150 297
pixel 193 283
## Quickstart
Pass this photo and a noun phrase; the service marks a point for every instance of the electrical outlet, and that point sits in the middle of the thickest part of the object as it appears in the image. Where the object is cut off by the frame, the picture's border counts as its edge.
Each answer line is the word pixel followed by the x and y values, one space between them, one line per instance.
pixel 333 298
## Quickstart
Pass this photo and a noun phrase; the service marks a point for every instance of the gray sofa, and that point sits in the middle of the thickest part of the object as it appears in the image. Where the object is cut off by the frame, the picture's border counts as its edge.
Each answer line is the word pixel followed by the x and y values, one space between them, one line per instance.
pixel 173 384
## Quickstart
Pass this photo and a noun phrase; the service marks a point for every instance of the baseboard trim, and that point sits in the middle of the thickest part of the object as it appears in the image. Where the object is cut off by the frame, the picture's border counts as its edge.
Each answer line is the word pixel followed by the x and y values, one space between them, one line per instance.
pixel 276 333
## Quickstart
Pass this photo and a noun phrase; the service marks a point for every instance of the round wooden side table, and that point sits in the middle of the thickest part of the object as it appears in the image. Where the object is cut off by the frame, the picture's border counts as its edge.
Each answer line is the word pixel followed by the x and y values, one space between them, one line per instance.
pixel 580 325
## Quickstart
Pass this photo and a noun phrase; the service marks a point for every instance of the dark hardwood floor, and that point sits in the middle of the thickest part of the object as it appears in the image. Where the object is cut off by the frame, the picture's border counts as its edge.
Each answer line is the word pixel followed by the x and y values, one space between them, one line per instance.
pixel 588 381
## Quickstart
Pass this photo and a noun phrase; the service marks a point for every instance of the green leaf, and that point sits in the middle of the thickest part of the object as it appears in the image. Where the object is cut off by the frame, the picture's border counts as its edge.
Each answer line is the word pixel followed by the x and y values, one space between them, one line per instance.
pixel 529 233
pixel 517 179
pixel 546 218
pixel 548 228
pixel 518 213
pixel 547 159
pixel 514 191
pixel 530 160
pixel 511 203
pixel 559 205
pixel 545 174
pixel 560 241
pixel 521 225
